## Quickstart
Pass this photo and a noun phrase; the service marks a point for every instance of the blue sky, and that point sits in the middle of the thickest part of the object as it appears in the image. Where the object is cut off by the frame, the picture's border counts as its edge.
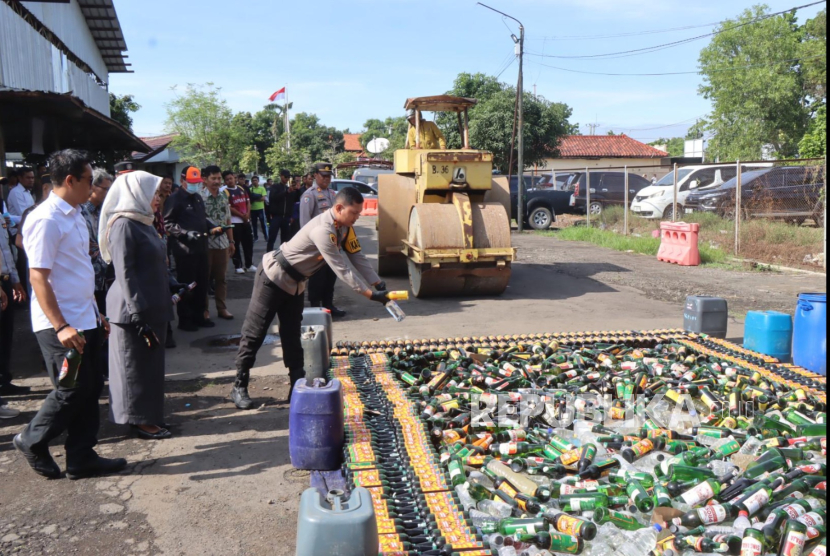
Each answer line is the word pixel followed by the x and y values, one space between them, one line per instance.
pixel 348 61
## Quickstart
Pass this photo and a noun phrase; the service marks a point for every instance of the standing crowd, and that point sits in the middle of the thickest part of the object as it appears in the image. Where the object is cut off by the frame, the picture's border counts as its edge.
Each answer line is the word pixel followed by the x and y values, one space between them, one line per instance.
pixel 102 262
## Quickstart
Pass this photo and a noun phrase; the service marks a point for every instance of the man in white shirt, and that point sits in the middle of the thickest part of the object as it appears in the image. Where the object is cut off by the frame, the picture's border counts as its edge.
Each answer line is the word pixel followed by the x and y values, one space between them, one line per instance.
pixel 20 196
pixel 64 317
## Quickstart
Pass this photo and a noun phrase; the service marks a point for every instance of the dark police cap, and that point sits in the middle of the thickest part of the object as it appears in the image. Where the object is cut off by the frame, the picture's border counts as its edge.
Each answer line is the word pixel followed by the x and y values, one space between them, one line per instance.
pixel 323 168
pixel 124 167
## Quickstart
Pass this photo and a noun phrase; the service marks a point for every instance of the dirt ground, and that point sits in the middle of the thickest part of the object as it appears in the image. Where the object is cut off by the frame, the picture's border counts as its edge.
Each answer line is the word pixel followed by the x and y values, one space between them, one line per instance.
pixel 224 485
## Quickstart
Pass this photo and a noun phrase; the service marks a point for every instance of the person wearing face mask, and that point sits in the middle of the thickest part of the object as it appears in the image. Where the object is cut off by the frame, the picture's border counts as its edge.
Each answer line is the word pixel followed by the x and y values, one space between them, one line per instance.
pixel 187 226
pixel 326 241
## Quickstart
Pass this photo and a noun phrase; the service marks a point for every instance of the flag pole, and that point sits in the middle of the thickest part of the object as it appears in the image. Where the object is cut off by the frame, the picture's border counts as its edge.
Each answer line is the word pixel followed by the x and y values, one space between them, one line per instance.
pixel 287 120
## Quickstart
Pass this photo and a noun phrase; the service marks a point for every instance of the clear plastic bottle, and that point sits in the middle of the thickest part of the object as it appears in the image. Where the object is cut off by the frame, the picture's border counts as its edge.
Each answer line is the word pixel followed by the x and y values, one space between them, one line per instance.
pixel 641 542
pixel 395 310
pixel 751 446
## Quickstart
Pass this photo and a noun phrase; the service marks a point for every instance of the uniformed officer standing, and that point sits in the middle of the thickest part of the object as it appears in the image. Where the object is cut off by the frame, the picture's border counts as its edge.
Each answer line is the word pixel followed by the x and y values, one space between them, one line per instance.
pixel 315 201
pixel 324 242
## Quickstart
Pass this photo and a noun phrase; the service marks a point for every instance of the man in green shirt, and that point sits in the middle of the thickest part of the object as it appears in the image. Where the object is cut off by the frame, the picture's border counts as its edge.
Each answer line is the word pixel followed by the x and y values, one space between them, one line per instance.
pixel 258 194
pixel 220 246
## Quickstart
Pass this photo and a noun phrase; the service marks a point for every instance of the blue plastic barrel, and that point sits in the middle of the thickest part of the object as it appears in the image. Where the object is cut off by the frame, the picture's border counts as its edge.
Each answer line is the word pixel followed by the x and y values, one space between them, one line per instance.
pixel 315 425
pixel 810 333
pixel 770 333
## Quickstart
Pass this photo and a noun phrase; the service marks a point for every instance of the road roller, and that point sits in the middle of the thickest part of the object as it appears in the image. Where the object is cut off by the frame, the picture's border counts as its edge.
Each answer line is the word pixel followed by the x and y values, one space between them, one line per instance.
pixel 441 217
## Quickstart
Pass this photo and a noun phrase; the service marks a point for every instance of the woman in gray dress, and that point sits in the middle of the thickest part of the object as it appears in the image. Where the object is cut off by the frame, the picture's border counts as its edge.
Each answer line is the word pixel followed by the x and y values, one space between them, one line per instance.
pixel 138 304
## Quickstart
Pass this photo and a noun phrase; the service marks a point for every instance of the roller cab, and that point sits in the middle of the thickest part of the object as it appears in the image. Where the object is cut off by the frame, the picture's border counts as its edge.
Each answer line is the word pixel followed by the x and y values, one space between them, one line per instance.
pixel 441 220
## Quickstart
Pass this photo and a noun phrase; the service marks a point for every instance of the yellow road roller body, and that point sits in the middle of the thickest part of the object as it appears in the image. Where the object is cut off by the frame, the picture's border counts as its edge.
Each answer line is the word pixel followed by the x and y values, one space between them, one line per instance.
pixel 441 217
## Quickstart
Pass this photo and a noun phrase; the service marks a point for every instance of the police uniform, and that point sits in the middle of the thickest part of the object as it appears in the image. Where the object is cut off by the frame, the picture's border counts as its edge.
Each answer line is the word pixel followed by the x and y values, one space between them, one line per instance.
pixel 281 281
pixel 314 202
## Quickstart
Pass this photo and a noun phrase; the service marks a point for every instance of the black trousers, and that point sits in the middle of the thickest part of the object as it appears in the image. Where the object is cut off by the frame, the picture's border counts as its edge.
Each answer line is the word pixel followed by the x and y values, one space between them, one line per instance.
pixel 193 268
pixel 244 241
pixel 321 288
pixel 279 226
pixel 23 271
pixel 268 301
pixel 74 410
pixel 6 335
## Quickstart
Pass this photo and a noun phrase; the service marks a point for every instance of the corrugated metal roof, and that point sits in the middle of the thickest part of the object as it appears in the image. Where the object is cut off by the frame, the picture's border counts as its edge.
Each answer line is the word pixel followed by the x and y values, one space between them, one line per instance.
pixel 606 146
pixel 103 23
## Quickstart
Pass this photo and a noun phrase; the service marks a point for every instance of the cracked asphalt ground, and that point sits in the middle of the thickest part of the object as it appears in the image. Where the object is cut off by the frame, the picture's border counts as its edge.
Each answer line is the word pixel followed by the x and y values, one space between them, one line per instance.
pixel 224 484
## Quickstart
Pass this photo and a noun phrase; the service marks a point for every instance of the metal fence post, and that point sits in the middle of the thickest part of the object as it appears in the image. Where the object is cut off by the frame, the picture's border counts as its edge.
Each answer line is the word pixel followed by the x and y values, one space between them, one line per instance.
pixel 625 207
pixel 587 197
pixel 738 188
pixel 674 203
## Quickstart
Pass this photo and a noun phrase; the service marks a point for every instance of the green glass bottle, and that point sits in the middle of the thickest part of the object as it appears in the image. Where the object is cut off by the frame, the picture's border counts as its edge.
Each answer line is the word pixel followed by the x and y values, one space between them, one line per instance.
pixel 583 502
pixel 571 525
pixel 662 498
pixel 559 543
pixel 68 376
pixel 514 525
pixel 708 515
pixel 753 543
pixel 793 540
pixel 637 493
pixel 622 520
pixel 701 493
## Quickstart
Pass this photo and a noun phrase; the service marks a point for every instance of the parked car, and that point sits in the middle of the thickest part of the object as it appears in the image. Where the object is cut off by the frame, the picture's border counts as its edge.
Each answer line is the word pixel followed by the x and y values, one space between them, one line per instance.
pixel 541 203
pixel 657 201
pixel 791 193
pixel 369 176
pixel 368 191
pixel 607 189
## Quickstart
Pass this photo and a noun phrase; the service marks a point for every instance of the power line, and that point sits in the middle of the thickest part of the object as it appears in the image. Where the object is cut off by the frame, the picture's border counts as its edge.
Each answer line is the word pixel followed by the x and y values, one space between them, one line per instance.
pixel 696 72
pixel 621 35
pixel 506 67
pixel 657 48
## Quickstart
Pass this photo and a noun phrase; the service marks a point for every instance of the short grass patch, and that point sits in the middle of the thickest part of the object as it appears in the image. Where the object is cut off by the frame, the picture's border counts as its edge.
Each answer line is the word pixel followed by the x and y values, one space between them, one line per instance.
pixel 645 245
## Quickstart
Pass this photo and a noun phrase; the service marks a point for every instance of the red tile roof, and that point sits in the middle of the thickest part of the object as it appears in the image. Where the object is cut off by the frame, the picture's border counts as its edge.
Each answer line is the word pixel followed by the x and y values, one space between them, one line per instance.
pixel 606 146
pixel 156 144
pixel 351 143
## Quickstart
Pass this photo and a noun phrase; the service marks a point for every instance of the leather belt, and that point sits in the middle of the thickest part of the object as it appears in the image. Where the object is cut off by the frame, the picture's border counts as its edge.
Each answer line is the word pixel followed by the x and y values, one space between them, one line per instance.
pixel 290 270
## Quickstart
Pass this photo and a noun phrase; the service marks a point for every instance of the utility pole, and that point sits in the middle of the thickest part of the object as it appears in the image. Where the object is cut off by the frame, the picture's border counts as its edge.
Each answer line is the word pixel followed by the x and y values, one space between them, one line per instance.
pixel 520 50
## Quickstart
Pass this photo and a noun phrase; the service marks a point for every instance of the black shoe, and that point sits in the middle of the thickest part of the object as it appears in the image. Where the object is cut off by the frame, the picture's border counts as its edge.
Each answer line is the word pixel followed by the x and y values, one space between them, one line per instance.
pixel 205 323
pixel 335 312
pixel 42 464
pixel 188 327
pixel 96 467
pixel 160 435
pixel 14 390
pixel 170 342
pixel 240 398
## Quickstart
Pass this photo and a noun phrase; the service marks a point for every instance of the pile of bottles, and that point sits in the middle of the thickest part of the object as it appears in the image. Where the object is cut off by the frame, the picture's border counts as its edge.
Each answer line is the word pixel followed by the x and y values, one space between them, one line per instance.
pixel 600 443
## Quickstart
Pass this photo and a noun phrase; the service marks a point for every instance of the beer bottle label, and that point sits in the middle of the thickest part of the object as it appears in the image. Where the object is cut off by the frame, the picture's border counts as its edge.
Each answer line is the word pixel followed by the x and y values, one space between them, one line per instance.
pixel 794 511
pixel 643 447
pixel 819 551
pixel 811 519
pixel 751 547
pixel 698 494
pixel 568 525
pixel 712 514
pixel 757 501
pixel 570 457
pixel 793 544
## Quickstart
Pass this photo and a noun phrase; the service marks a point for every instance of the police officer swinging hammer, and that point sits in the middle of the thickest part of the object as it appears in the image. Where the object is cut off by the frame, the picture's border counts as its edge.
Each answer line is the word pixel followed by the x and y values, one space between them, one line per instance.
pixel 281 280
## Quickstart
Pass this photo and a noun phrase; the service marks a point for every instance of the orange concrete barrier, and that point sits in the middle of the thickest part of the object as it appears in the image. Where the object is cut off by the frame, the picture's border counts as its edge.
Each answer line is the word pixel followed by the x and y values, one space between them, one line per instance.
pixel 679 243
pixel 370 207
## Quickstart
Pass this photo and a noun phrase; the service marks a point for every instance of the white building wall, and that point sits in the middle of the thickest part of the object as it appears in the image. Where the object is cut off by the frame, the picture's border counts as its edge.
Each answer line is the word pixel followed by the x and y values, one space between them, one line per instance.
pixel 67 22
pixel 649 166
pixel 30 62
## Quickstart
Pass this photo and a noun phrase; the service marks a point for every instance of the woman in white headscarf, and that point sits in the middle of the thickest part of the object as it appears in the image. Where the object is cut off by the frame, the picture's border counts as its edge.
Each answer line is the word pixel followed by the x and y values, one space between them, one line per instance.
pixel 138 303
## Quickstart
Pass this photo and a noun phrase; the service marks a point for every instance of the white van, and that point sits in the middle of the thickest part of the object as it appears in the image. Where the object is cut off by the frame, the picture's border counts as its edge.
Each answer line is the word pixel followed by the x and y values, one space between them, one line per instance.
pixel 656 201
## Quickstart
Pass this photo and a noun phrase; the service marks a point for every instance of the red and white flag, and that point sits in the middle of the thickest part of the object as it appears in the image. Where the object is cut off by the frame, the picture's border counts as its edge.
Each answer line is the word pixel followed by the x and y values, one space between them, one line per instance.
pixel 279 95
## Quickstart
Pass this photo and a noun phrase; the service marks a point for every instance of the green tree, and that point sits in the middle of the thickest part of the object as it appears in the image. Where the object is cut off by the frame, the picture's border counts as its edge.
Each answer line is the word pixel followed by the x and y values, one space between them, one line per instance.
pixel 676 146
pixel 208 132
pixel 757 97
pixel 310 136
pixel 394 129
pixel 814 143
pixel 249 162
pixel 814 57
pixel 121 107
pixel 491 121
pixel 280 157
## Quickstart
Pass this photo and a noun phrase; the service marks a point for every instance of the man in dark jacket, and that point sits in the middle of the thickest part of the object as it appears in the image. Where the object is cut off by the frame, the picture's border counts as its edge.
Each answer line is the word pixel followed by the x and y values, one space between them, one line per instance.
pixel 280 205
pixel 187 228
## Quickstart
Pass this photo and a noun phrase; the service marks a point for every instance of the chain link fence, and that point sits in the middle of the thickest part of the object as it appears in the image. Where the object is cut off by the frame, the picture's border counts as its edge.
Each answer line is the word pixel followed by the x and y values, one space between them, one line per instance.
pixel 767 212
